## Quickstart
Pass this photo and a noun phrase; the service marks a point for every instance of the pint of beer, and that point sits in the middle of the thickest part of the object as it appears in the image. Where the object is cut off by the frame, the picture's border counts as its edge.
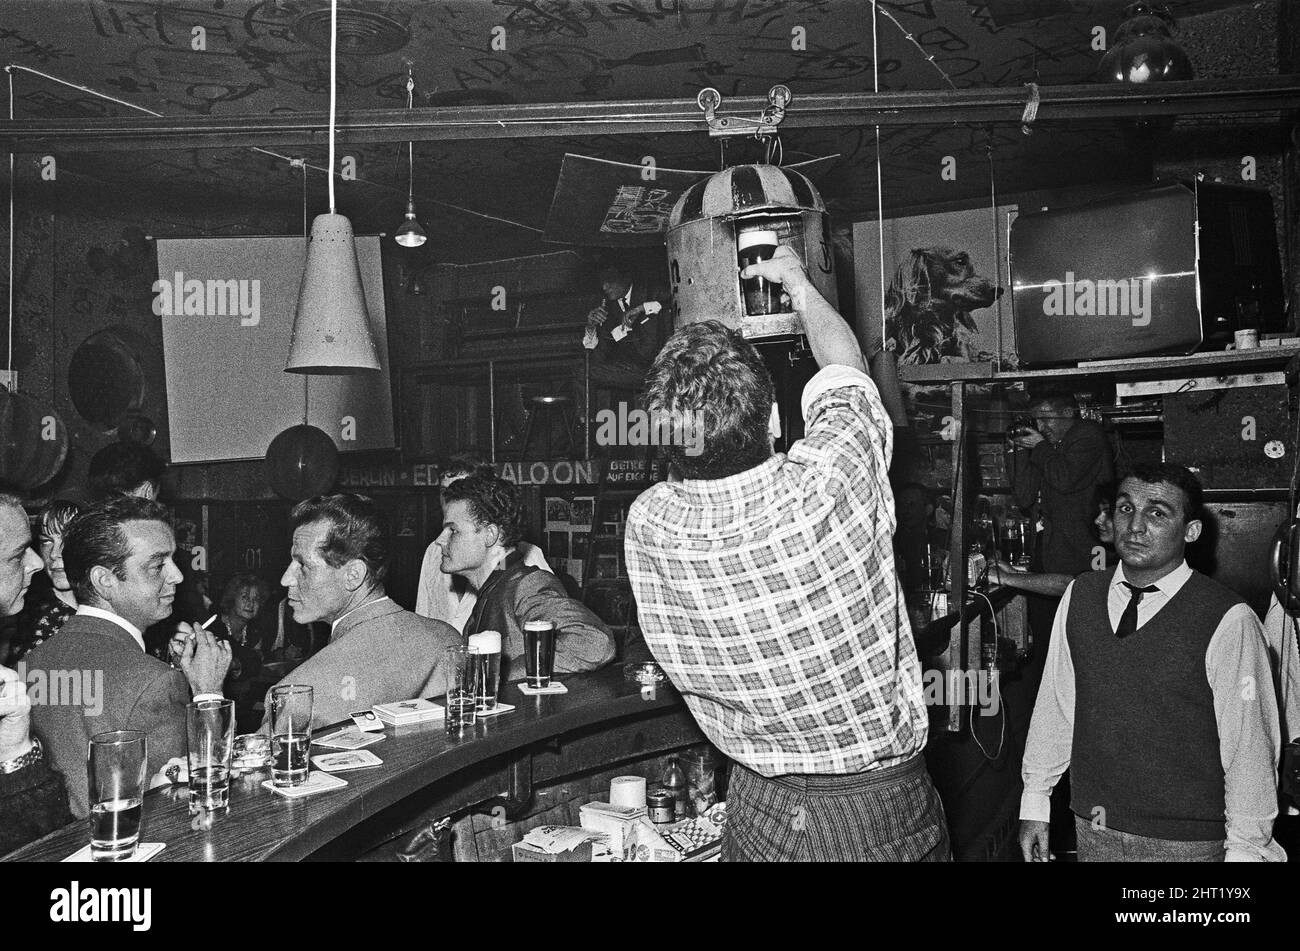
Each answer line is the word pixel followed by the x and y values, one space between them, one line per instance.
pixel 761 296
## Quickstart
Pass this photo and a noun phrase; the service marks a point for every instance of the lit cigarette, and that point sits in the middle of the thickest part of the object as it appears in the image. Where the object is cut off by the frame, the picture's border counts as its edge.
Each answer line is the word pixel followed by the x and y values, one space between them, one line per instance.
pixel 207 623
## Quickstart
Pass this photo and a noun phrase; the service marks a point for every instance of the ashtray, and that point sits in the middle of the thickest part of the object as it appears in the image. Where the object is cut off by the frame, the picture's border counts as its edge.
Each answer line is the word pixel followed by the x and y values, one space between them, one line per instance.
pixel 252 751
pixel 646 674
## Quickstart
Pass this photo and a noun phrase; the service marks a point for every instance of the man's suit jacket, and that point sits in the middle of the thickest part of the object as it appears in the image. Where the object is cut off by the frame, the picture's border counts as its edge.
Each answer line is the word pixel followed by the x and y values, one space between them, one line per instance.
pixel 517 593
pixel 639 348
pixel 138 692
pixel 379 653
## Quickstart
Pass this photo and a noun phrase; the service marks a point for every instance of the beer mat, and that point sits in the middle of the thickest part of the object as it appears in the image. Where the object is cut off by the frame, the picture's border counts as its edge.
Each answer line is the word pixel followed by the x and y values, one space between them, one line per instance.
pixel 555 687
pixel 143 853
pixel 367 721
pixel 316 783
pixel 349 738
pixel 499 708
pixel 340 762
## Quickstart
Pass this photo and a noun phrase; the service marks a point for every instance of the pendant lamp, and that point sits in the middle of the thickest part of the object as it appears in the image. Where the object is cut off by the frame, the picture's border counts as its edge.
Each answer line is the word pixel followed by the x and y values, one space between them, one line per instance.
pixel 331 327
pixel 409 233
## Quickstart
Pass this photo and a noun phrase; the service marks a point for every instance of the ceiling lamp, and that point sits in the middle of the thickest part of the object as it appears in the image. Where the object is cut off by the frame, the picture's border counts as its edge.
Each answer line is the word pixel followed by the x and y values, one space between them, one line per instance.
pixel 1144 50
pixel 331 327
pixel 410 234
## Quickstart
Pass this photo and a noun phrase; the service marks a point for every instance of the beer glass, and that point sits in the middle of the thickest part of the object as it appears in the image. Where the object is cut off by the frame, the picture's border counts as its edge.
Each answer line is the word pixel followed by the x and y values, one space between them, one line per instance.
pixel 761 295
pixel 290 733
pixel 539 652
pixel 488 645
pixel 210 733
pixel 116 768
pixel 462 688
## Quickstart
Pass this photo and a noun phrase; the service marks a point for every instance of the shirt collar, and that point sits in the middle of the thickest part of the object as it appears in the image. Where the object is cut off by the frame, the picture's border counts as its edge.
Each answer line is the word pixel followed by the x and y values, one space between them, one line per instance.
pixel 1168 585
pixel 87 611
pixel 339 620
pixel 627 298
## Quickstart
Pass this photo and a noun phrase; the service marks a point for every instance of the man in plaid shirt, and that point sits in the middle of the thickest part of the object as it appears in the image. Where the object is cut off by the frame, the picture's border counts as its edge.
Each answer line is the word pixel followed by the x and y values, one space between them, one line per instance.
pixel 766 588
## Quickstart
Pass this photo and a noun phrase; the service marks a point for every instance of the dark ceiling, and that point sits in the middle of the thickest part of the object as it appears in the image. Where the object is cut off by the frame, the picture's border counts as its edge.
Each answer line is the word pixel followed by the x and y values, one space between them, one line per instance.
pixel 271 57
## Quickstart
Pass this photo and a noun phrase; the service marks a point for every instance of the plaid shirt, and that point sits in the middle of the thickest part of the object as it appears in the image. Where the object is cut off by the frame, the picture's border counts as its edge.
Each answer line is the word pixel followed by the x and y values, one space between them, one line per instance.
pixel 772 601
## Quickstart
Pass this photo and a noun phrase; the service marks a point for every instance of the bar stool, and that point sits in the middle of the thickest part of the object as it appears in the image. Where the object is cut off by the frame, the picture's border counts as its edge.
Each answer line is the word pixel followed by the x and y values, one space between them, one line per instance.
pixel 542 411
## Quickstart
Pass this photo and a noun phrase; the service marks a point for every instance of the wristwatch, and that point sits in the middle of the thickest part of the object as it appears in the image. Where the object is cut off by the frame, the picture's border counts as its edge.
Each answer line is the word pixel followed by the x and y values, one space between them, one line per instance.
pixel 22 762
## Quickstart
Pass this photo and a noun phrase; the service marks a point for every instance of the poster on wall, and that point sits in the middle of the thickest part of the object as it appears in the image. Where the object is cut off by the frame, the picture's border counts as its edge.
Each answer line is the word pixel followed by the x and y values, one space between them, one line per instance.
pixel 227 307
pixel 945 277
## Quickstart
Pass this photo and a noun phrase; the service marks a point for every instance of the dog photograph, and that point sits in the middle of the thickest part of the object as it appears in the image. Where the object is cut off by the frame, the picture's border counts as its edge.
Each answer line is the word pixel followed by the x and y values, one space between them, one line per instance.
pixel 944 282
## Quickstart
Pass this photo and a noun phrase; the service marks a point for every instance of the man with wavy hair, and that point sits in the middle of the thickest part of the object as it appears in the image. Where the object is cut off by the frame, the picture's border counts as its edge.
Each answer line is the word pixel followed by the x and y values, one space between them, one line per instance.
pixel 766 588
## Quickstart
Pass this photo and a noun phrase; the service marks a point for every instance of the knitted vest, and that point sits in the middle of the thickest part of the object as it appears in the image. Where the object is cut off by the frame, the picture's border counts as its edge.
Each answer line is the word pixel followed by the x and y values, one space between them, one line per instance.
pixel 1146 742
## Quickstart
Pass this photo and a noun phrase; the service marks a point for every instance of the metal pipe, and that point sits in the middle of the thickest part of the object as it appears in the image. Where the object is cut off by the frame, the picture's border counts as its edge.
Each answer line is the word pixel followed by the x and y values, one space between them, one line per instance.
pixel 907 108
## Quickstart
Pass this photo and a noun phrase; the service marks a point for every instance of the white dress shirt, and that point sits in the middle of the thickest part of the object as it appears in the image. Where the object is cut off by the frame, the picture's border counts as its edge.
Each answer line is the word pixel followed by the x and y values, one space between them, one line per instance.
pixel 1248 732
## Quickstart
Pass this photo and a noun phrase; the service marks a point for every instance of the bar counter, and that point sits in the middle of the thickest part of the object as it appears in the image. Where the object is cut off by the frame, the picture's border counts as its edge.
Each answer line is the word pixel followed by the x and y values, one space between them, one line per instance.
pixel 600 721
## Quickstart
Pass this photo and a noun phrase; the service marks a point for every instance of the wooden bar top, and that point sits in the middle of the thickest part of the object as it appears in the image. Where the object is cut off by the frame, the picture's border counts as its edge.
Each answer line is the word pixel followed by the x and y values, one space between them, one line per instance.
pixel 262 826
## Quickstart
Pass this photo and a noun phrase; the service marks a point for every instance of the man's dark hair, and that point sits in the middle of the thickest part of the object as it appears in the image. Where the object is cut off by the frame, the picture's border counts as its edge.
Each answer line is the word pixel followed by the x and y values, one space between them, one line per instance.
pixel 466 464
pixel 492 501
pixel 122 466
pixel 357 529
pixel 95 537
pixel 1183 478
pixel 1056 398
pixel 710 370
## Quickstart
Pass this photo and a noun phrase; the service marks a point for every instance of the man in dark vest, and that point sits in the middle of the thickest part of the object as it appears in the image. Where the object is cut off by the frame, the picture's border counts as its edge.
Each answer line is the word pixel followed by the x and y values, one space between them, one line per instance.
pixel 1157 696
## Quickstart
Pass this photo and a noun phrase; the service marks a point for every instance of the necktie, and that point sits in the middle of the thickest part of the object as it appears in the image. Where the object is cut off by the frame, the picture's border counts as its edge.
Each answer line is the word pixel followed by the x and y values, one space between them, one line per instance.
pixel 1128 621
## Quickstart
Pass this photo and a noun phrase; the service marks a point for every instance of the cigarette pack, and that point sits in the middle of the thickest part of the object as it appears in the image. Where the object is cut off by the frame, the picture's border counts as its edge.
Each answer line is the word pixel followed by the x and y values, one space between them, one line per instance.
pixel 615 822
pixel 523 852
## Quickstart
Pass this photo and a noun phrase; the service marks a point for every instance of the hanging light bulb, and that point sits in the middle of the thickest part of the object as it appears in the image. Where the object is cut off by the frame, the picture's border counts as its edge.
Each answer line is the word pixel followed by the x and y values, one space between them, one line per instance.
pixel 1144 50
pixel 409 233
pixel 331 327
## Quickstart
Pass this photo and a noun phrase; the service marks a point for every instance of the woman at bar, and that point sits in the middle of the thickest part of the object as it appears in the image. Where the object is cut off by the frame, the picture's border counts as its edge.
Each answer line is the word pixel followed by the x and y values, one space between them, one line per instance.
pixel 241 602
pixel 54 602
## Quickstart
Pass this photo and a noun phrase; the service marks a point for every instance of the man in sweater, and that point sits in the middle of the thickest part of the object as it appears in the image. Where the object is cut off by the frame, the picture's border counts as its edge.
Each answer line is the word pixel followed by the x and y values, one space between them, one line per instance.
pixel 1157 696
pixel 449 597
pixel 480 540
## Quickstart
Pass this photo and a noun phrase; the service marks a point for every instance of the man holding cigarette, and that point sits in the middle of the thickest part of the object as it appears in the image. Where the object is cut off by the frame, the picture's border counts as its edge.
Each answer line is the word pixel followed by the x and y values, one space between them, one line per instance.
pixel 118 557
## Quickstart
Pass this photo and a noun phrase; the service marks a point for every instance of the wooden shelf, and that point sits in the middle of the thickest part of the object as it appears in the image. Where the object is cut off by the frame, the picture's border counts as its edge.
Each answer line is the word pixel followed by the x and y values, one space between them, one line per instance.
pixel 1221 361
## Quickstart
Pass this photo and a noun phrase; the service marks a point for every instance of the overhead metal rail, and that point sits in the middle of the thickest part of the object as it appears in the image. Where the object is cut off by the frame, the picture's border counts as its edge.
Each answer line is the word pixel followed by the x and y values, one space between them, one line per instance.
pixel 1269 94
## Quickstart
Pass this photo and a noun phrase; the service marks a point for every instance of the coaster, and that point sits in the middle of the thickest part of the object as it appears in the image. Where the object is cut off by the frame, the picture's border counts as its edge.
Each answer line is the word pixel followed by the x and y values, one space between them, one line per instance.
pixel 144 851
pixel 316 783
pixel 555 687
pixel 499 708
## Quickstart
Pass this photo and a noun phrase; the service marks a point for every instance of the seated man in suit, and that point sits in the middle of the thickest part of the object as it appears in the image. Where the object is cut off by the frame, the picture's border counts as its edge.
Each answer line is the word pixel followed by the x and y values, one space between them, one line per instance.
pixel 480 537
pixel 32 798
pixel 118 557
pixel 378 651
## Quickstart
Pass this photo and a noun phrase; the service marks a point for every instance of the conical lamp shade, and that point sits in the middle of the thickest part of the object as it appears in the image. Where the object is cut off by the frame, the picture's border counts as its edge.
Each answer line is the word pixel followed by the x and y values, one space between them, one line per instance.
pixel 331 328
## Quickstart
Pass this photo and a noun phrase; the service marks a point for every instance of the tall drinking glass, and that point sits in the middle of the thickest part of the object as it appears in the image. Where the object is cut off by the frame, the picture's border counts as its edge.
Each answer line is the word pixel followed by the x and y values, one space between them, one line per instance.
pixel 116 769
pixel 462 688
pixel 539 652
pixel 488 645
pixel 290 733
pixel 210 731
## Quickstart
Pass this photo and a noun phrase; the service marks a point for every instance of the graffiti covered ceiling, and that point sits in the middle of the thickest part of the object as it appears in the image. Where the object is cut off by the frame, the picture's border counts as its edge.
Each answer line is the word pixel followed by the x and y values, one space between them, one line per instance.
pixel 271 56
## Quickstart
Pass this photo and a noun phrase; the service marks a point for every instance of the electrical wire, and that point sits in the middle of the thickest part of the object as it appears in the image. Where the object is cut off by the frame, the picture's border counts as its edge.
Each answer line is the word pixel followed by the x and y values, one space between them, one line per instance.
pixel 9 353
pixel 997 685
pixel 270 152
pixel 334 65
